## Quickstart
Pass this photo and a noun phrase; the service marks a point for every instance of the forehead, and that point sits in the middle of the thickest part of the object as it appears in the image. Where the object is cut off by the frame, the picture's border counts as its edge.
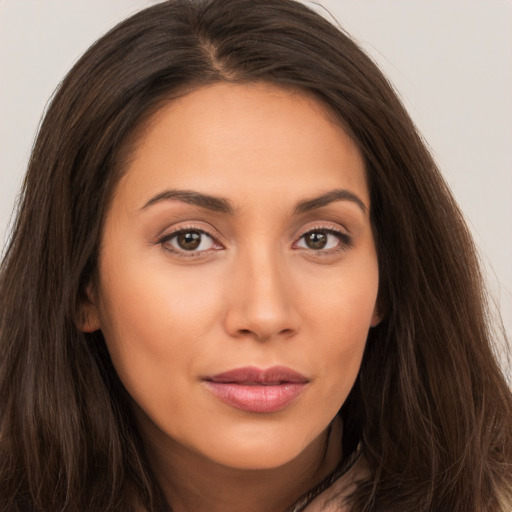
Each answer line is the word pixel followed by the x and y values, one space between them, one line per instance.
pixel 229 138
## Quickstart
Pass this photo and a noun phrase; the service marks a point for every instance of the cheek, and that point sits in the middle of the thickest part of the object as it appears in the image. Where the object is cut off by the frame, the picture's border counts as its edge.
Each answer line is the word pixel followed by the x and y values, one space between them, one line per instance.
pixel 340 363
pixel 155 324
pixel 156 300
pixel 338 319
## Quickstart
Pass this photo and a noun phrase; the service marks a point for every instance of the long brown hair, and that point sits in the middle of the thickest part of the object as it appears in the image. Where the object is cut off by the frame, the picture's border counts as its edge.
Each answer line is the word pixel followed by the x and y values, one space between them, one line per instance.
pixel 431 407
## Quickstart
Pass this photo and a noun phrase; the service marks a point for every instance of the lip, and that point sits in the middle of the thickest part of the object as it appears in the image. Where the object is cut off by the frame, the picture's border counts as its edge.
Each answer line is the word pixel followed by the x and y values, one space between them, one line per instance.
pixel 255 390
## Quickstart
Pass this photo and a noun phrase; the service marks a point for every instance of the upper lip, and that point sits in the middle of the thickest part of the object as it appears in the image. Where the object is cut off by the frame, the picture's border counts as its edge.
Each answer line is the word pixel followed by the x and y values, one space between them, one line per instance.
pixel 252 375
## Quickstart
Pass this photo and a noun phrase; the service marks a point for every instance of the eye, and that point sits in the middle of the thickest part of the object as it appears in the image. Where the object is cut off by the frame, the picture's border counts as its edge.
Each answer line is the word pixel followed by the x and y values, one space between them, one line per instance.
pixel 323 240
pixel 189 240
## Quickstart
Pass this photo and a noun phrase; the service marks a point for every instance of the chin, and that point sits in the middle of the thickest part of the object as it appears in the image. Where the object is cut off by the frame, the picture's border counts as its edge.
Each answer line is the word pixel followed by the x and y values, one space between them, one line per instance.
pixel 259 460
pixel 261 451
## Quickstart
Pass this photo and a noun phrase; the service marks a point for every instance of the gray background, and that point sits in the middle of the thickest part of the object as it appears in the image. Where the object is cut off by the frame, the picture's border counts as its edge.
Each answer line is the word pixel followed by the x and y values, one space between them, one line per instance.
pixel 450 61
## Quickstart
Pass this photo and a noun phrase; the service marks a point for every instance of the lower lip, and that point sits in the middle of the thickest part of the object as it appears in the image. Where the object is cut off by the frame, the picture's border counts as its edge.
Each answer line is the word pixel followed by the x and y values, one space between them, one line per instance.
pixel 256 398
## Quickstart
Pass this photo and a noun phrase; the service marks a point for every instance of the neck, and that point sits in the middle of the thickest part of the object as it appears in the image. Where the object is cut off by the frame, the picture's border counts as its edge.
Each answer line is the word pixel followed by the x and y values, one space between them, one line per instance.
pixel 193 483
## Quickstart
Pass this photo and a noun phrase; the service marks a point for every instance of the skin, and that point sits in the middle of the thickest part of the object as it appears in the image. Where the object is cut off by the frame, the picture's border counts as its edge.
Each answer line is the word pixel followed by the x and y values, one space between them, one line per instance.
pixel 255 292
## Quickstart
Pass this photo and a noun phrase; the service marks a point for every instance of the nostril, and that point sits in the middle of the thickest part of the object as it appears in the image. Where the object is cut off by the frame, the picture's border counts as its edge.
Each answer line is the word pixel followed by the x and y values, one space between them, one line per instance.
pixel 284 333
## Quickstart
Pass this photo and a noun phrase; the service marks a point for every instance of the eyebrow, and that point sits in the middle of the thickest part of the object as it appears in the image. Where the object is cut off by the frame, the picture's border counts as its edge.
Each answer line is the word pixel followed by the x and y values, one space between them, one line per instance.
pixel 327 198
pixel 216 204
pixel 221 205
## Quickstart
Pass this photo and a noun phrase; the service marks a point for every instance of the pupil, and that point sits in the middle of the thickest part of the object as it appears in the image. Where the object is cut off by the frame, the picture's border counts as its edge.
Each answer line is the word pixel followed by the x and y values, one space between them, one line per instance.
pixel 189 240
pixel 316 240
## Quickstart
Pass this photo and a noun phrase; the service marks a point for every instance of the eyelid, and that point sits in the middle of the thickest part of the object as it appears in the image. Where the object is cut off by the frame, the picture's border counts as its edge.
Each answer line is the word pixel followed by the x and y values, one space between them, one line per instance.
pixel 166 236
pixel 343 235
pixel 345 238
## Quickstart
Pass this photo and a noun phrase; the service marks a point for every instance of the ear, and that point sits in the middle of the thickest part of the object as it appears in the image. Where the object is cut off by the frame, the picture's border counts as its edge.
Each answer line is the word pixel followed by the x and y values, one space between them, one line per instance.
pixel 88 315
pixel 376 316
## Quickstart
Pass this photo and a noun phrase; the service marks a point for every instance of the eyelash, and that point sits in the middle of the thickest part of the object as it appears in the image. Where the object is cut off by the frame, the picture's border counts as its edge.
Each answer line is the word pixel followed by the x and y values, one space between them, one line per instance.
pixel 345 241
pixel 164 241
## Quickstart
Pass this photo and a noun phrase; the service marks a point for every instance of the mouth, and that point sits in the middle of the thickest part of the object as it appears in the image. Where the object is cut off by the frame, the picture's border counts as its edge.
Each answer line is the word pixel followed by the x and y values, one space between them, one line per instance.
pixel 253 390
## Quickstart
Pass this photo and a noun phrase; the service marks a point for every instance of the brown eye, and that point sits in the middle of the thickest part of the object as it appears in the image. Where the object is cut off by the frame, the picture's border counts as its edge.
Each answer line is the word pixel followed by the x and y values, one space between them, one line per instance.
pixel 189 240
pixel 324 240
pixel 316 240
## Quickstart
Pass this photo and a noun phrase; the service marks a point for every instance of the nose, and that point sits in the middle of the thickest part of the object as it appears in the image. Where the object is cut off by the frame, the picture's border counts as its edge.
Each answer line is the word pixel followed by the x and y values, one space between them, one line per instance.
pixel 261 299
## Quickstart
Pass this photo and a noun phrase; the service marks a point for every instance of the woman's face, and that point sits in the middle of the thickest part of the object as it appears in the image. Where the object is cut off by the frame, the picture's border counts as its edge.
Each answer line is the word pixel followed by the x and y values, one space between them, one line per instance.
pixel 238 274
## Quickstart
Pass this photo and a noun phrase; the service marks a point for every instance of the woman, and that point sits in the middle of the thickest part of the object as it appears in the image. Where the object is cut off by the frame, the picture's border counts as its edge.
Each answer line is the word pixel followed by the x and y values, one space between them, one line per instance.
pixel 237 281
